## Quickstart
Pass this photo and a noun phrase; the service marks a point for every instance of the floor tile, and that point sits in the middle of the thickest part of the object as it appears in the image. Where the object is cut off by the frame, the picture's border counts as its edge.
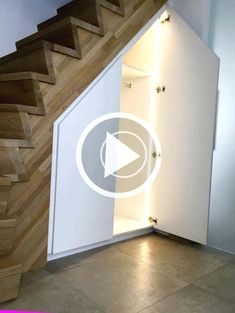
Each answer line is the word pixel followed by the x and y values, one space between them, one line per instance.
pixel 188 262
pixel 33 277
pixel 80 259
pixel 221 282
pixel 192 299
pixel 146 242
pixel 130 276
pixel 121 285
pixel 52 295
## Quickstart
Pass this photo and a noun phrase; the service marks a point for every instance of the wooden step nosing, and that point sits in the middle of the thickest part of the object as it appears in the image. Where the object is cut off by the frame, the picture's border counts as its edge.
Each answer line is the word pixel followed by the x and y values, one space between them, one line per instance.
pixel 11 223
pixel 10 107
pixel 27 76
pixel 48 45
pixel 26 141
pixel 18 171
pixel 16 143
pixel 10 270
pixel 65 50
pixel 17 178
pixel 5 181
pixel 23 51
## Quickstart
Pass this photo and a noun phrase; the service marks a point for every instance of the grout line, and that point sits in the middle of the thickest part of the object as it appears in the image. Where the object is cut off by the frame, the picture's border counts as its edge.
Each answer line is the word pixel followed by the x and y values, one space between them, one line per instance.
pixel 212 272
pixel 166 272
pixel 158 269
pixel 149 306
pixel 207 289
pixel 213 293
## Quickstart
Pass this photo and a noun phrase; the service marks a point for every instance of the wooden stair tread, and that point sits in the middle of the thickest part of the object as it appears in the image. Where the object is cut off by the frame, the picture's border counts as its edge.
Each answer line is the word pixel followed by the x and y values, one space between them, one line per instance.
pixel 10 275
pixel 61 32
pixel 26 76
pixel 13 107
pixel 5 181
pixel 31 47
pixel 76 21
pixel 5 184
pixel 20 94
pixel 89 10
pixel 6 221
pixel 86 10
pixel 9 267
pixel 33 63
pixel 15 129
pixel 12 165
pixel 7 234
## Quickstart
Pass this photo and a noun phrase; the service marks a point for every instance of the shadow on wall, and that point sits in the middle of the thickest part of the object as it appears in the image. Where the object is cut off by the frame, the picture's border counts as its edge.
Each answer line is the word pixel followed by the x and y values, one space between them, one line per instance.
pixel 19 18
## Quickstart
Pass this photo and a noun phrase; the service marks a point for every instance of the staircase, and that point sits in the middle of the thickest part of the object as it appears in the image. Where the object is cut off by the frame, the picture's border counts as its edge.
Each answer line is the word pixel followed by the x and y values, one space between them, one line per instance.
pixel 37 83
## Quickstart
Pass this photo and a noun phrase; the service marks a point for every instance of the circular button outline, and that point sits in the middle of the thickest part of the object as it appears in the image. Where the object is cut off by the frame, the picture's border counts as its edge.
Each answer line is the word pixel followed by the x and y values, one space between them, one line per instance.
pixel 82 139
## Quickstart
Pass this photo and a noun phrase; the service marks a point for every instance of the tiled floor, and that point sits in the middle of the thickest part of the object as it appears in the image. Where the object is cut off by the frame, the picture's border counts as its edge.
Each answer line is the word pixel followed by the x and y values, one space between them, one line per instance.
pixel 150 274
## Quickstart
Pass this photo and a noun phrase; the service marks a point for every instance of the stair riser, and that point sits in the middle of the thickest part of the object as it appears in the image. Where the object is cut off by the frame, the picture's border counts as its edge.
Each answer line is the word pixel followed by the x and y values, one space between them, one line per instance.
pixel 4 194
pixel 12 165
pixel 63 35
pixel 3 207
pixel 34 61
pixel 9 287
pixel 23 92
pixel 7 234
pixel 87 40
pixel 7 244
pixel 86 10
pixel 15 129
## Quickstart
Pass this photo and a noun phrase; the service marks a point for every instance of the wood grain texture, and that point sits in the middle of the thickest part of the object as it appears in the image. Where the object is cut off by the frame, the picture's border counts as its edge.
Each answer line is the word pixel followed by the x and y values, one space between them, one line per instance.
pixel 29 105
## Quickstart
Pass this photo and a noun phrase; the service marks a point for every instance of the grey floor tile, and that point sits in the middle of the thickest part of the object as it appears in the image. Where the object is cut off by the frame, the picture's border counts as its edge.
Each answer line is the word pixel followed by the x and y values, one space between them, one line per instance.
pixel 33 277
pixel 121 284
pixel 192 299
pixel 80 259
pixel 221 282
pixel 130 276
pixel 188 262
pixel 144 242
pixel 51 295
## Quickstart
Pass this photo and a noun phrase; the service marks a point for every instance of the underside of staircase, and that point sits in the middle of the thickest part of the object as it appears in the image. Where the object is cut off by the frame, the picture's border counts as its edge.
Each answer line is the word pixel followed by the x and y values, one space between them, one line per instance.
pixel 37 83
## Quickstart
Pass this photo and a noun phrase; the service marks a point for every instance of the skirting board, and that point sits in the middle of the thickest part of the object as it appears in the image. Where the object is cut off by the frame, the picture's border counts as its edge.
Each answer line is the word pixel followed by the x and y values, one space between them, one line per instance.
pixel 115 239
pixel 212 249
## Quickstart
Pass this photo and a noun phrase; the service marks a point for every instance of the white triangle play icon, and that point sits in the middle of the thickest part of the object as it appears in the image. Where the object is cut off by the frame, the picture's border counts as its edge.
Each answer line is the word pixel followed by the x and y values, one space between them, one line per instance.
pixel 117 155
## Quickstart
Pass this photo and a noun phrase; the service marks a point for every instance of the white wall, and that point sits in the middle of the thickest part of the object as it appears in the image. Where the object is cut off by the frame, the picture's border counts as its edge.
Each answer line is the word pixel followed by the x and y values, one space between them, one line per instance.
pixel 196 13
pixel 19 18
pixel 222 214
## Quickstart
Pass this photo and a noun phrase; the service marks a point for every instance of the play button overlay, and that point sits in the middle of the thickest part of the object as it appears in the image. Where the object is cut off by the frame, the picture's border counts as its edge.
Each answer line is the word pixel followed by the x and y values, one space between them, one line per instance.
pixel 115 155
